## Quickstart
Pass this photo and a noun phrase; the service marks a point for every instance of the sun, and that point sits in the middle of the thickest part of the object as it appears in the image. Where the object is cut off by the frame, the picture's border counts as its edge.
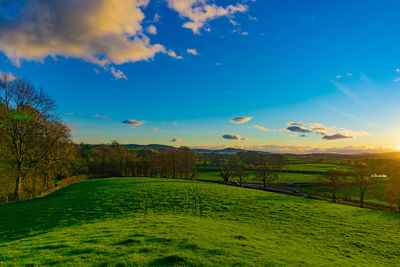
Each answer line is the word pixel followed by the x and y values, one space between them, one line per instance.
pixel 396 148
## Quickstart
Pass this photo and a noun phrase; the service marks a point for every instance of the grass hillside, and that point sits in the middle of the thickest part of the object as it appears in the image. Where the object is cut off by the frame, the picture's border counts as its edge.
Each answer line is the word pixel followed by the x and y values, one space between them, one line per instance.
pixel 160 222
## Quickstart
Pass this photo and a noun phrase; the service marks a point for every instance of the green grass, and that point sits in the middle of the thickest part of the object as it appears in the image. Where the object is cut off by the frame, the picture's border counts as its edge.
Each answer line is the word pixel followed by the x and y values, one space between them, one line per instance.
pixel 375 194
pixel 284 177
pixel 160 222
pixel 316 167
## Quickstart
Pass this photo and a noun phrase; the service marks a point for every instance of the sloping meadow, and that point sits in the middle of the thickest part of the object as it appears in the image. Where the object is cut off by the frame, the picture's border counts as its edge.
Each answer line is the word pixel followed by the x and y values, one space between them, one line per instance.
pixel 144 221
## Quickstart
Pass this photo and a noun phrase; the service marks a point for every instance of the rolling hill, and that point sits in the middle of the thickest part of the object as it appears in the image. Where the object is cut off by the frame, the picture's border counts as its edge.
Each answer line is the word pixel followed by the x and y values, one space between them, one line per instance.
pixel 162 222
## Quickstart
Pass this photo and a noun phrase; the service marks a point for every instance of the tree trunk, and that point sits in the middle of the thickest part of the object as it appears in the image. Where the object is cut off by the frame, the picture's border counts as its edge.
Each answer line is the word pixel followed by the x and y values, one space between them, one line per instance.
pixel 362 200
pixel 334 197
pixel 18 185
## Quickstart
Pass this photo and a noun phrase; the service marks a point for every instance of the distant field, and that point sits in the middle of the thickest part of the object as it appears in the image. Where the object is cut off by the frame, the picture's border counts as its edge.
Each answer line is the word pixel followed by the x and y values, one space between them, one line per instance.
pixel 162 222
pixel 374 195
pixel 317 167
pixel 284 177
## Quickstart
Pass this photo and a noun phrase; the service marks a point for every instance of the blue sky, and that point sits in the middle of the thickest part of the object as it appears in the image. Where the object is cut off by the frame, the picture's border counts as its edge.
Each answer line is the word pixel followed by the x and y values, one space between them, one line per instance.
pixel 312 75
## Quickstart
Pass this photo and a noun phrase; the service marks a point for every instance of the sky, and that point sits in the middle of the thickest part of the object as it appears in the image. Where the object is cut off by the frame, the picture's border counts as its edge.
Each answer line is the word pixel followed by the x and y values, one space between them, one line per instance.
pixel 273 75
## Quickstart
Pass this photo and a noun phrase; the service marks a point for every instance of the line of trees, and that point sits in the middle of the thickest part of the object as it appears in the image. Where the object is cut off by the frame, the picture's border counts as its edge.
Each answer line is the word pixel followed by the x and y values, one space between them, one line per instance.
pixel 267 166
pixel 366 175
pixel 115 160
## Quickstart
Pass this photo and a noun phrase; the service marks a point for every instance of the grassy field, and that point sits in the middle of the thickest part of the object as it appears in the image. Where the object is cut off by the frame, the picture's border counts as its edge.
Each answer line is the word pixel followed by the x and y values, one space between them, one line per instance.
pixel 284 177
pixel 375 194
pixel 316 167
pixel 160 222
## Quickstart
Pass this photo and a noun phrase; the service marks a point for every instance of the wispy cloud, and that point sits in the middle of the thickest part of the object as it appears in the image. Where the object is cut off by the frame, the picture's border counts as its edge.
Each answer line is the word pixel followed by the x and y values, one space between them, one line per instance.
pixel 7 76
pixel 133 123
pixel 260 128
pixel 175 140
pixel 341 87
pixel 71 127
pixel 192 51
pixel 199 12
pixel 102 117
pixel 92 128
pixel 347 74
pixel 328 133
pixel 233 137
pixel 335 137
pixel 118 74
pixel 152 29
pixel 172 53
pixel 240 119
pixel 70 114
pixel 154 130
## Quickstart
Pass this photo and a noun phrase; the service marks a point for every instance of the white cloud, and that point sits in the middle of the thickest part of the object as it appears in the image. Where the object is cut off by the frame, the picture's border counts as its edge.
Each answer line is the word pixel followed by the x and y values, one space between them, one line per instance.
pixel 102 117
pixel 396 80
pixel 240 119
pixel 199 12
pixel 397 70
pixel 173 54
pixel 175 140
pixel 118 74
pixel 7 76
pixel 192 51
pixel 102 32
pixel 260 128
pixel 152 29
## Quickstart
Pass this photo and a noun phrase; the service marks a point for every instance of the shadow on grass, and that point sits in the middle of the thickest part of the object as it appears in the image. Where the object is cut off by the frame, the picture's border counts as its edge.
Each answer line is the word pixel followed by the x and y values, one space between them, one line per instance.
pixel 172 260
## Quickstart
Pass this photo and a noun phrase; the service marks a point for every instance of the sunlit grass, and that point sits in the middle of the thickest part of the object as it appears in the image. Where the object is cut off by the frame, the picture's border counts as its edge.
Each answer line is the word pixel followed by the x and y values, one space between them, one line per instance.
pixel 144 221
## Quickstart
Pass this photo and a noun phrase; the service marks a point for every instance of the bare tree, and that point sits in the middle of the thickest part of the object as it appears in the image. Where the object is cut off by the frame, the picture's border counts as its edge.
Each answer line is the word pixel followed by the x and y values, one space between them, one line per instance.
pixel 267 172
pixel 241 175
pixel 334 178
pixel 225 174
pixel 364 176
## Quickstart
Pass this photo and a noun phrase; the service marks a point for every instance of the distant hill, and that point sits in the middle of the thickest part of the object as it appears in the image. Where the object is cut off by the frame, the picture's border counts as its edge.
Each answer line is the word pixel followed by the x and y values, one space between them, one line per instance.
pixel 150 146
pixel 228 150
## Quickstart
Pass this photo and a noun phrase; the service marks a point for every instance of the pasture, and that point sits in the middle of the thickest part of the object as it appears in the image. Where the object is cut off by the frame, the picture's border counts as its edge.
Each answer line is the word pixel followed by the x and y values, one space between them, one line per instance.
pixel 162 222
pixel 283 177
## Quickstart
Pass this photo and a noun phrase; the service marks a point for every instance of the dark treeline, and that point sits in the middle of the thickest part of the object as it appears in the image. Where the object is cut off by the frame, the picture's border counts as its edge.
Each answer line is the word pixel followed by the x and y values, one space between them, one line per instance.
pixel 116 160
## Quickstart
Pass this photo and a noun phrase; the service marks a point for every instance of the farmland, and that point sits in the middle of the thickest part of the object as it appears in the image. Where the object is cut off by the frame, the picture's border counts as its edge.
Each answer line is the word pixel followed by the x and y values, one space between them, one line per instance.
pixel 148 221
